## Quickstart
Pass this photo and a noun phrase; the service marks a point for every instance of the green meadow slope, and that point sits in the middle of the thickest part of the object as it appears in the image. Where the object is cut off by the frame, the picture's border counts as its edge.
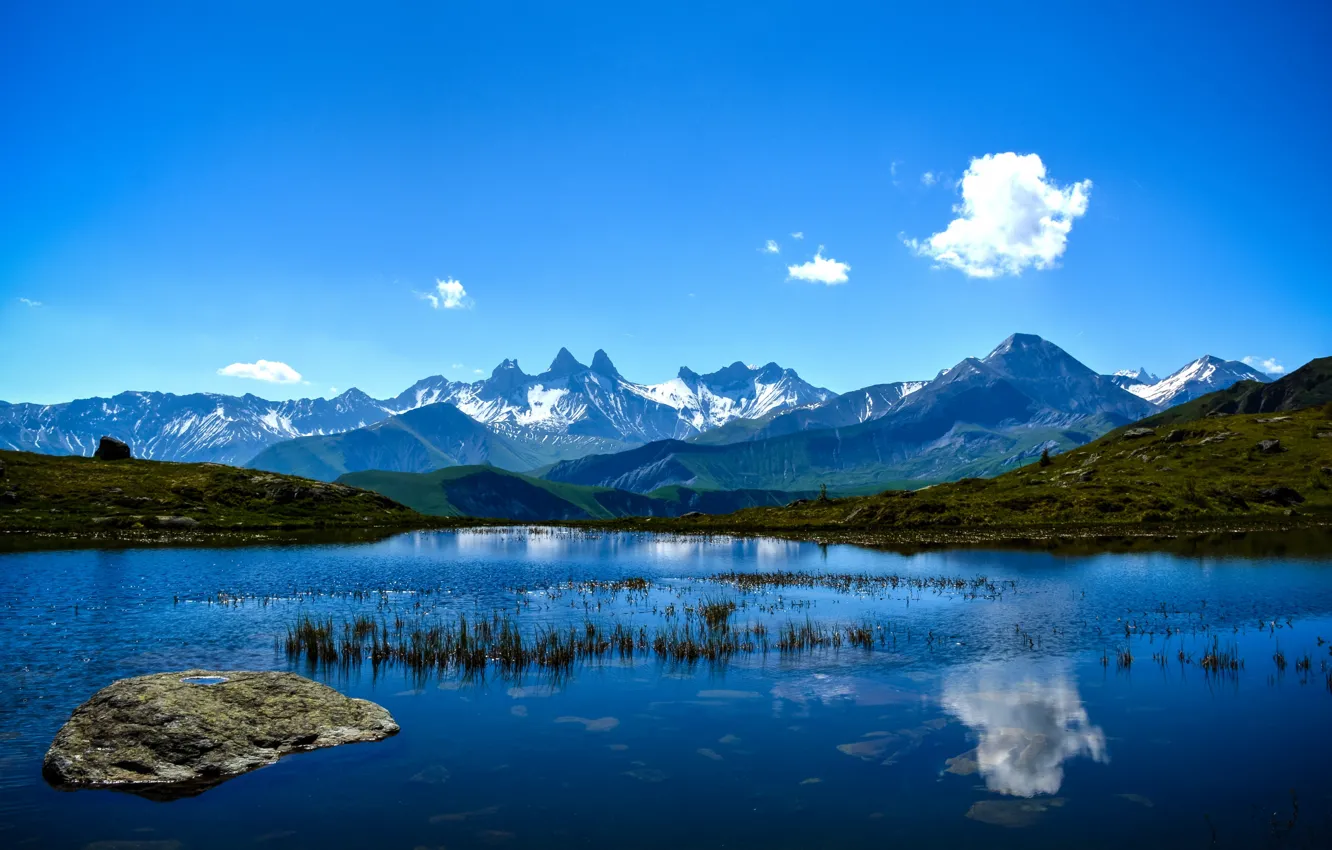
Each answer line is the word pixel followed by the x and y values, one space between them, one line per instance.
pixel 77 494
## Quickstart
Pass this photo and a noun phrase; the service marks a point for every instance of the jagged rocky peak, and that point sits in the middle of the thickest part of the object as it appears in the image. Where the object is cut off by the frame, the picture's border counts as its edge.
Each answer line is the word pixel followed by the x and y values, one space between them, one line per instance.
pixel 506 377
pixel 564 364
pixel 1139 374
pixel 602 365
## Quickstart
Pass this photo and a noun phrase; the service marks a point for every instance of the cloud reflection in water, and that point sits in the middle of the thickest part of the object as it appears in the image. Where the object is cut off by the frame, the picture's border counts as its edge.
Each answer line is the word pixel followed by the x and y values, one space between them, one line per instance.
pixel 1029 720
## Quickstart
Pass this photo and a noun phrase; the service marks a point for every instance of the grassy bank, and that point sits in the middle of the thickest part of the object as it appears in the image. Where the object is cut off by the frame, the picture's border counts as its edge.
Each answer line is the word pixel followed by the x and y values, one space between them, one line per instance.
pixel 76 496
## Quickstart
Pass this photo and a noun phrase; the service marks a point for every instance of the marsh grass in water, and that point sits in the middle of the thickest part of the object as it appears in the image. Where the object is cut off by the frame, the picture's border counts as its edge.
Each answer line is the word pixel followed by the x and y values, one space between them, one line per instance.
pixel 424 632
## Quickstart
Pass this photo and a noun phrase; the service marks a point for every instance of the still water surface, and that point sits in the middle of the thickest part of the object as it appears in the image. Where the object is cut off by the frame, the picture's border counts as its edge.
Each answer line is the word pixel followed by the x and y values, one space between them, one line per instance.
pixel 1000 720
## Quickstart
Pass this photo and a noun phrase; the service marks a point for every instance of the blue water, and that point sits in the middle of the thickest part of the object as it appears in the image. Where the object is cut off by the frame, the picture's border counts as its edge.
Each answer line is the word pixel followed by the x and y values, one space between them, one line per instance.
pixel 1051 743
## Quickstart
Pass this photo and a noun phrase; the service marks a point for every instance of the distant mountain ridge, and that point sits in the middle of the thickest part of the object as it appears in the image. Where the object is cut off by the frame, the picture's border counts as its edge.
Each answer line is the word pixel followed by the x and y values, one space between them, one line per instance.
pixel 568 410
pixel 1205 375
pixel 194 428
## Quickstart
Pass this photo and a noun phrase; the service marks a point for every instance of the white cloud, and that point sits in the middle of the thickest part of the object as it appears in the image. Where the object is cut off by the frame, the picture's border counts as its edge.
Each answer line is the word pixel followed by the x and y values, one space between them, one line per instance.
pixel 1010 218
pixel 272 371
pixel 799 234
pixel 1266 364
pixel 771 247
pixel 929 178
pixel 449 295
pixel 892 170
pixel 1028 720
pixel 821 269
pixel 333 390
pixel 478 371
pixel 456 366
pixel 28 302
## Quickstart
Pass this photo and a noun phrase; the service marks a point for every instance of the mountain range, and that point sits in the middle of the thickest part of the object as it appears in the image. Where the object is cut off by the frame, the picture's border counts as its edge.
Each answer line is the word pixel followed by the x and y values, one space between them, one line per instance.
pixel 978 417
pixel 740 427
pixel 566 411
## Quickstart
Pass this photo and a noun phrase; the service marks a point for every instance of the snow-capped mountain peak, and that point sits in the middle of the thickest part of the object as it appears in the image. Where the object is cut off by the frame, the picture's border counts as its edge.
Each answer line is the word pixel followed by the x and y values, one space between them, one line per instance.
pixel 738 391
pixel 1205 375
pixel 1140 375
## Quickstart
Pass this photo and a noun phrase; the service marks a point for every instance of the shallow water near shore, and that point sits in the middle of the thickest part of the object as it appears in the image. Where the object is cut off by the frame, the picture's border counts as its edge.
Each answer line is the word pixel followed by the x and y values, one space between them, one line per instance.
pixel 1000 714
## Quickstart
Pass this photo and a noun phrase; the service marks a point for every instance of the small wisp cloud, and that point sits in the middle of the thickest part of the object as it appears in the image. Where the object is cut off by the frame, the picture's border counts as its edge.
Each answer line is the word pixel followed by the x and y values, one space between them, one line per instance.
pixel 28 302
pixel 771 247
pixel 449 294
pixel 272 371
pixel 1011 218
pixel 821 269
pixel 1265 364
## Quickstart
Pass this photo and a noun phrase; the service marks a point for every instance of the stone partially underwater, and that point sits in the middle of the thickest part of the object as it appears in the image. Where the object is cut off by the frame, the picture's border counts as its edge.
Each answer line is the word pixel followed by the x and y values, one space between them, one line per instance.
pixel 173 735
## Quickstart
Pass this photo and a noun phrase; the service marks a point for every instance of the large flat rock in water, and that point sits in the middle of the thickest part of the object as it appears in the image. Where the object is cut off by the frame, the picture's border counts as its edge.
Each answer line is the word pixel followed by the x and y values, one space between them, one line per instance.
pixel 175 734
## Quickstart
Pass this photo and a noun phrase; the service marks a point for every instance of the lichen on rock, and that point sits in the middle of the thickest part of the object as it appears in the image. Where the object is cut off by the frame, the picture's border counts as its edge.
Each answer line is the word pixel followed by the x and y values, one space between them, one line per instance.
pixel 168 735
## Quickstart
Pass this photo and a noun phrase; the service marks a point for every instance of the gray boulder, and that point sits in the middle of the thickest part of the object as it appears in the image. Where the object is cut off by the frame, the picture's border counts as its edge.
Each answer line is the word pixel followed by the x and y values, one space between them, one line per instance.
pixel 1134 433
pixel 109 448
pixel 1269 447
pixel 173 734
pixel 1281 495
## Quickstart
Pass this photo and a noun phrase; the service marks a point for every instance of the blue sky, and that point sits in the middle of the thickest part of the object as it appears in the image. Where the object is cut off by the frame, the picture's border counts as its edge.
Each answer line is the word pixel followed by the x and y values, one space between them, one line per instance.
pixel 186 189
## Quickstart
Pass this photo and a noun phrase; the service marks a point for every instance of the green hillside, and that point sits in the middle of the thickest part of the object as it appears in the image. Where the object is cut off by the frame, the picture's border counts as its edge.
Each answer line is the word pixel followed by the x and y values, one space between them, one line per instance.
pixel 1221 468
pixel 77 494
pixel 484 491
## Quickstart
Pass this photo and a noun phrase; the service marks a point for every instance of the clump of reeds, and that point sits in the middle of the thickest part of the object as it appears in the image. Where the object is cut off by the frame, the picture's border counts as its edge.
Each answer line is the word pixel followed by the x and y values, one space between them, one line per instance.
pixel 715 612
pixel 861 635
pixel 1124 658
pixel 423 643
pixel 1219 659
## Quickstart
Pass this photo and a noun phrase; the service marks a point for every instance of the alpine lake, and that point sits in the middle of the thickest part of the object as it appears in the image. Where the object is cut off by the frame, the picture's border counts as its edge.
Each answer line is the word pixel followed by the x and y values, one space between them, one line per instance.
pixel 563 688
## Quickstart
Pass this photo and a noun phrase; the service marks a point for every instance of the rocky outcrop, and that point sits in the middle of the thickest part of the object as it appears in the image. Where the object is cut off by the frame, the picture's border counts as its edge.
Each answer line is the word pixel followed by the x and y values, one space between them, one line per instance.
pixel 109 448
pixel 176 734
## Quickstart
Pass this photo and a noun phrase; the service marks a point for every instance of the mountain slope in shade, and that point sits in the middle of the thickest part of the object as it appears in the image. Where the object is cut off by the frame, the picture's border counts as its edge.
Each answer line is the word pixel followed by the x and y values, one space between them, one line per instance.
pixel 190 428
pixel 980 417
pixel 1205 375
pixel 420 440
pixel 485 491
